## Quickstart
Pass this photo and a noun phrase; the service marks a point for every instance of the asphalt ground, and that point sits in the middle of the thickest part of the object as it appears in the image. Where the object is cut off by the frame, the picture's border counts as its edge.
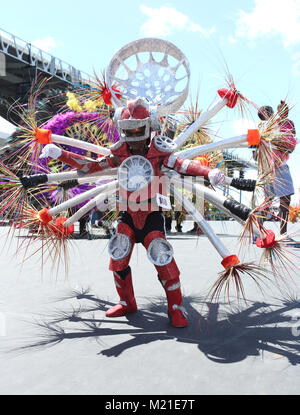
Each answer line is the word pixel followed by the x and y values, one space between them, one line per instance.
pixel 55 338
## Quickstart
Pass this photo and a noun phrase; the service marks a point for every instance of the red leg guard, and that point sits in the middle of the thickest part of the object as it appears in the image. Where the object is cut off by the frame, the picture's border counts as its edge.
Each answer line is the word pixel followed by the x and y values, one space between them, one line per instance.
pixel 176 311
pixel 125 290
pixel 169 277
pixel 166 272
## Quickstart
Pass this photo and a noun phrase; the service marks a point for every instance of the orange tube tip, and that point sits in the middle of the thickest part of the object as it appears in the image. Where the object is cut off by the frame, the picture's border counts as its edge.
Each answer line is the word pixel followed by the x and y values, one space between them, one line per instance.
pixel 44 216
pixel 229 261
pixel 61 229
pixel 43 136
pixel 253 137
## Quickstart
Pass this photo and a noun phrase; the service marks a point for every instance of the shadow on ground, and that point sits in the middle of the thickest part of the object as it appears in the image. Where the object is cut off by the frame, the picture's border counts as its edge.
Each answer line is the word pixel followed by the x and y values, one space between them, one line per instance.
pixel 224 336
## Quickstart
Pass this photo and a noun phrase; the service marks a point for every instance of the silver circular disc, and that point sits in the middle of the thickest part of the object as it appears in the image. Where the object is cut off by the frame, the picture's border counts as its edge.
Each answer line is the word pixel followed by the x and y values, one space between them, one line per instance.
pixel 119 246
pixel 150 68
pixel 160 252
pixel 135 173
pixel 164 144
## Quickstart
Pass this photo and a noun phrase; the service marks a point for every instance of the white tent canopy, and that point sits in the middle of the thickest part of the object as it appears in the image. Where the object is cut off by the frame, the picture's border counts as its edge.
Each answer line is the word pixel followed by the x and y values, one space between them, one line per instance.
pixel 6 130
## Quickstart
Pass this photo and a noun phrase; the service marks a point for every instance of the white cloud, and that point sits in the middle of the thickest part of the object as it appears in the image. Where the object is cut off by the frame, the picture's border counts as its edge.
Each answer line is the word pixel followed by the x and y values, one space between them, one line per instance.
pixel 194 27
pixel 46 44
pixel 271 17
pixel 165 20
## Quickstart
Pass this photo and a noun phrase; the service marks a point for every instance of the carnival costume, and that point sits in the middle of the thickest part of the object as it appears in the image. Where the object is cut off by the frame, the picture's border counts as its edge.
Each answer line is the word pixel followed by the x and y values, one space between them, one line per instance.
pixel 144 97
pixel 142 225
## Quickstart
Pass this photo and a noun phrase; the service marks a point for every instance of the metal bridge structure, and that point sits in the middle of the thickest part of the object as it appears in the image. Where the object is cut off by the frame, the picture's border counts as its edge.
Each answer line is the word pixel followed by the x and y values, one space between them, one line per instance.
pixel 20 62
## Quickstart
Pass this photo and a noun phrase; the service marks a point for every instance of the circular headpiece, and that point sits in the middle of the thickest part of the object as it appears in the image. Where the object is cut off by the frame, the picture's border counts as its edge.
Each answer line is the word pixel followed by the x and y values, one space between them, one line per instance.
pixel 153 69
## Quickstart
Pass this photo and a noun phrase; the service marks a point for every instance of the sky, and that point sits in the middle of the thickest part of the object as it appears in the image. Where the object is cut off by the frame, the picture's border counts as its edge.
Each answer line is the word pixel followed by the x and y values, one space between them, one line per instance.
pixel 256 41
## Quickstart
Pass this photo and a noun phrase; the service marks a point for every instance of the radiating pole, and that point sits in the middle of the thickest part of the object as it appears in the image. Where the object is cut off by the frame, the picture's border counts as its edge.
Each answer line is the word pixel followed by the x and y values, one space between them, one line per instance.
pixel 37 179
pixel 111 188
pixel 79 199
pixel 231 142
pixel 60 139
pixel 204 117
pixel 239 212
pixel 190 208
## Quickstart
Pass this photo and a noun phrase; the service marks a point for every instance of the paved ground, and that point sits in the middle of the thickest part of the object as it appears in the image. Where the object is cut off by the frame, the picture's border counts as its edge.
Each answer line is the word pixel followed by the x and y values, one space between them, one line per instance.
pixel 55 338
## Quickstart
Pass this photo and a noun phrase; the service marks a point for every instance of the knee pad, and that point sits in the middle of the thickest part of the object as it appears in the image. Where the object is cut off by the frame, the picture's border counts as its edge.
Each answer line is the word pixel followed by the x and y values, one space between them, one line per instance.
pixel 119 246
pixel 160 252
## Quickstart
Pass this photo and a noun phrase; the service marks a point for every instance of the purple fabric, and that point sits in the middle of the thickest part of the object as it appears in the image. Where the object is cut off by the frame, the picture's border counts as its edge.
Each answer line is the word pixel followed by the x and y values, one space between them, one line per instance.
pixel 60 122
pixel 58 125
pixel 59 196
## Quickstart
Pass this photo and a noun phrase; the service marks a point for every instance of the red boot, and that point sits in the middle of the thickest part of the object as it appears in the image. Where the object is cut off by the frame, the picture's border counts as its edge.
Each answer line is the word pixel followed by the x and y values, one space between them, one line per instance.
pixel 176 312
pixel 125 290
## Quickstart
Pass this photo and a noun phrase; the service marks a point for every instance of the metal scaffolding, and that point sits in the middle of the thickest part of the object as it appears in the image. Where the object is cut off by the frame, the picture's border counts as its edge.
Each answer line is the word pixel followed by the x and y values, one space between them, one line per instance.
pixel 29 54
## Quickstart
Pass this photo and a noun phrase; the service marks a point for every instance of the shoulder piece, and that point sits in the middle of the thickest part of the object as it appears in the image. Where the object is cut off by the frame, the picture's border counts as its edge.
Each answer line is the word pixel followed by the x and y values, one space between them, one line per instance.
pixel 164 144
pixel 119 149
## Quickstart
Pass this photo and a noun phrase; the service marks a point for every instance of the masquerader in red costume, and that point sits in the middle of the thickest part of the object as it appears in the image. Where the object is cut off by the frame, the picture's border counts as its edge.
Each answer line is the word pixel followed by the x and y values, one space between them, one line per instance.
pixel 141 158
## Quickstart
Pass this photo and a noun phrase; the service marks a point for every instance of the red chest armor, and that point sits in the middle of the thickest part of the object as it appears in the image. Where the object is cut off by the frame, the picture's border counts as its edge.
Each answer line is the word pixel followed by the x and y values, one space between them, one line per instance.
pixel 139 203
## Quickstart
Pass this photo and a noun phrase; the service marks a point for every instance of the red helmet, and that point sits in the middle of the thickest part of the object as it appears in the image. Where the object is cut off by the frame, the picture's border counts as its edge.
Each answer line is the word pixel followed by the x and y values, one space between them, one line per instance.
pixel 136 114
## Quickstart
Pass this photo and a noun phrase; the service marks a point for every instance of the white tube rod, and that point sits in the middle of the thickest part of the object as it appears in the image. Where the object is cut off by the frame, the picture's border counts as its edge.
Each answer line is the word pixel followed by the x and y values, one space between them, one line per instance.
pixel 78 199
pixel 205 116
pixel 204 191
pixel 215 241
pixel 93 179
pixel 231 142
pixel 91 204
pixel 211 196
pixel 70 175
pixel 60 139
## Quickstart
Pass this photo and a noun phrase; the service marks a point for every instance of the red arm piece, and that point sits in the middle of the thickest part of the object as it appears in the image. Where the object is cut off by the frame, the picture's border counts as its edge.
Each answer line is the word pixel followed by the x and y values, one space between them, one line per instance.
pixel 185 166
pixel 82 163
